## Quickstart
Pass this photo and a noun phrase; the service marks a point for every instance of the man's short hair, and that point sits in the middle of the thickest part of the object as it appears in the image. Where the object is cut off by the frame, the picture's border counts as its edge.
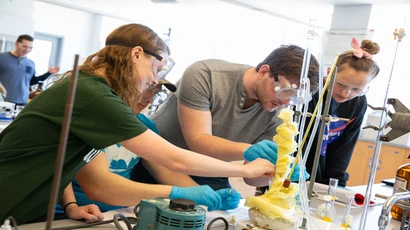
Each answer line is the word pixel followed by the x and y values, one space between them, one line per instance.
pixel 25 37
pixel 287 61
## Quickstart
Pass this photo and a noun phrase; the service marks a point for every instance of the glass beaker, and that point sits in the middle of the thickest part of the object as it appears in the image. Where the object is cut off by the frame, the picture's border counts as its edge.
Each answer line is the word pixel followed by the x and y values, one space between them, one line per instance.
pixel 326 211
pixel 346 220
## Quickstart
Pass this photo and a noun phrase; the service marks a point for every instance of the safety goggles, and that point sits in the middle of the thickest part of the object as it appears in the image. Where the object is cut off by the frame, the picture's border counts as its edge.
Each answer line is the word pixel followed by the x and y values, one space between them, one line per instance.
pixel 159 97
pixel 167 66
pixel 284 90
pixel 157 100
pixel 166 63
pixel 351 91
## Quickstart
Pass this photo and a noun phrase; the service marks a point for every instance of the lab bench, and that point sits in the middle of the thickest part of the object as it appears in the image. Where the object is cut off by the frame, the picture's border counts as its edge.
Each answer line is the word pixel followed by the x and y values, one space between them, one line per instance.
pixel 371 220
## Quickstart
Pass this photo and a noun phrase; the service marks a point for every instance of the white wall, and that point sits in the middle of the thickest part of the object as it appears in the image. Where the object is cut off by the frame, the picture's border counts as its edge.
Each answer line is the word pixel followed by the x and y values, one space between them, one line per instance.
pixel 198 31
pixel 384 26
pixel 75 27
pixel 209 31
pixel 16 18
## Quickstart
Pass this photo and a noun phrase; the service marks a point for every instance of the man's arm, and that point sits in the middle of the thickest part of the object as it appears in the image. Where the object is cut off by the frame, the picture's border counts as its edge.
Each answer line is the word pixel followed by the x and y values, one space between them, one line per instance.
pixel 34 80
pixel 196 126
pixel 52 70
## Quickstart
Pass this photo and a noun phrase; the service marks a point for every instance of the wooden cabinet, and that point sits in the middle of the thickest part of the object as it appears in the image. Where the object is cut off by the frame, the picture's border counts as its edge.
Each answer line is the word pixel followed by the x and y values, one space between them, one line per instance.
pixel 390 159
pixel 406 156
pixel 358 166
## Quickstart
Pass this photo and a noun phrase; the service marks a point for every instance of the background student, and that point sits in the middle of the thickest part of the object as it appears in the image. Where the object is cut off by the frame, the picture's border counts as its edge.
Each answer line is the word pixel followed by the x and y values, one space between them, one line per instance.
pixel 17 72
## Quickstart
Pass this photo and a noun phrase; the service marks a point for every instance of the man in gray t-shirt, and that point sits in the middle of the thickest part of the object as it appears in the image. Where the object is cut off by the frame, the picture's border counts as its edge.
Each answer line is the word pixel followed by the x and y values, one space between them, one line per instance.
pixel 227 110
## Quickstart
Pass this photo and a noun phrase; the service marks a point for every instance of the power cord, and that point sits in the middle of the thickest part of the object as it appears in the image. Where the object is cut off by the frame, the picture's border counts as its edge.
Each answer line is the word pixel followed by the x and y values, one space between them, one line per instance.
pixel 116 220
pixel 215 219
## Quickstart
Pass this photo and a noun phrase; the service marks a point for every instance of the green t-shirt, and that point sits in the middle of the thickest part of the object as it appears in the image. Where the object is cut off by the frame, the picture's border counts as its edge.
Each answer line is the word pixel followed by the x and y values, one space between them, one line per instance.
pixel 29 145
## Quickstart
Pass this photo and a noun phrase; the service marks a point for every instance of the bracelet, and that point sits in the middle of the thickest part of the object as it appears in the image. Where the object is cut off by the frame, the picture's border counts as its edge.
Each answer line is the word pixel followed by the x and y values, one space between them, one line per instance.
pixel 65 206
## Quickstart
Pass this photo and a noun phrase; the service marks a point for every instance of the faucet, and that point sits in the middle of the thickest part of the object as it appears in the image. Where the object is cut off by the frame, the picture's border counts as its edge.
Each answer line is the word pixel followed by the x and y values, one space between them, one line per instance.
pixel 387 206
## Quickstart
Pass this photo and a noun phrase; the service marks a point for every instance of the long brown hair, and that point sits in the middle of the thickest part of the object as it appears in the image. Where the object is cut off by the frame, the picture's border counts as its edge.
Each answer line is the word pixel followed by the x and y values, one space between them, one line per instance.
pixel 116 60
pixel 361 64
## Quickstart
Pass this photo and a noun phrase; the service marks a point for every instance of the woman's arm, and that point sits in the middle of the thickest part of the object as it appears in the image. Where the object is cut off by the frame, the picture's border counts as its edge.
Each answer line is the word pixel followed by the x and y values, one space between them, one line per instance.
pixel 99 184
pixel 153 148
pixel 165 176
pixel 257 181
pixel 88 212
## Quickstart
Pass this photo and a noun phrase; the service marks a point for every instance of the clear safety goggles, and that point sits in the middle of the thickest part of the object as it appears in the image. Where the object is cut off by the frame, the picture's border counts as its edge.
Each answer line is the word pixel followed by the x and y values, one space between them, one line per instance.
pixel 160 97
pixel 166 63
pixel 167 66
pixel 157 100
pixel 284 90
pixel 351 91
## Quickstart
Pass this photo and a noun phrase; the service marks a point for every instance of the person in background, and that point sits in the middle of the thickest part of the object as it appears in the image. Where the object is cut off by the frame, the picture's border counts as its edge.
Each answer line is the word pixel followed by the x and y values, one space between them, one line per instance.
pixel 355 71
pixel 227 111
pixel 3 92
pixel 109 86
pixel 17 72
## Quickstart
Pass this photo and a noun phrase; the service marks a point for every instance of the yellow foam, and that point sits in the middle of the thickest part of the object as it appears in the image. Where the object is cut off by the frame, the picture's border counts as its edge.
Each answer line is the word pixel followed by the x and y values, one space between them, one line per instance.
pixel 279 202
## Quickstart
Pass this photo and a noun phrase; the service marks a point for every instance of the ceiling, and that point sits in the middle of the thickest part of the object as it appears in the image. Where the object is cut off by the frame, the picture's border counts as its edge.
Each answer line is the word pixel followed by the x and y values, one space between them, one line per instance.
pixel 127 9
pixel 127 3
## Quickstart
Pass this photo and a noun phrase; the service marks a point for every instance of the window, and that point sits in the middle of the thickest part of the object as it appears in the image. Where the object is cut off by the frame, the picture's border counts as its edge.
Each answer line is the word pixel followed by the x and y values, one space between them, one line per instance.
pixel 46 52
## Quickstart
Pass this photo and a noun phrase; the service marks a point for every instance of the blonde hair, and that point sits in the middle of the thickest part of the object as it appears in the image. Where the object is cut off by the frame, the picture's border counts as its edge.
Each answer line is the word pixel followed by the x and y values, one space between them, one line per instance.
pixel 116 60
pixel 361 64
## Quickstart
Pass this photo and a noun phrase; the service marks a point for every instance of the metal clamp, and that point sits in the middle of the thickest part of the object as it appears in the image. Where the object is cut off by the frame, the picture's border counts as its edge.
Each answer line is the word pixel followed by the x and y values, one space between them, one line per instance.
pixel 402 116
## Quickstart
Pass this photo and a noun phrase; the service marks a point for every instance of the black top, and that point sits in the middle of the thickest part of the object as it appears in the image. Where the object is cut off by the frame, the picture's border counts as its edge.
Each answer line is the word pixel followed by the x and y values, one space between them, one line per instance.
pixel 339 139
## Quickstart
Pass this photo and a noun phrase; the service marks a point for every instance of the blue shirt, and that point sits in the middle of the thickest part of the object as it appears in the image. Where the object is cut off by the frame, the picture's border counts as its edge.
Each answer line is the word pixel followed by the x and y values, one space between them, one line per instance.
pixel 339 139
pixel 15 75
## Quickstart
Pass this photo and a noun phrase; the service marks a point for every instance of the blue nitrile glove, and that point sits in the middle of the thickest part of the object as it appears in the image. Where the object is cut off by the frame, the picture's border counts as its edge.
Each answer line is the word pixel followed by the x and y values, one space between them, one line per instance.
pixel 295 174
pixel 202 195
pixel 230 198
pixel 264 149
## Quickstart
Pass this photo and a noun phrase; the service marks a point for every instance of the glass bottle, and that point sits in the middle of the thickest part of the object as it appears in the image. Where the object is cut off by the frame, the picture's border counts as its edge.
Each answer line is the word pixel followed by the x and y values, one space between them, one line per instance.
pixel 347 218
pixel 402 181
pixel 327 211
